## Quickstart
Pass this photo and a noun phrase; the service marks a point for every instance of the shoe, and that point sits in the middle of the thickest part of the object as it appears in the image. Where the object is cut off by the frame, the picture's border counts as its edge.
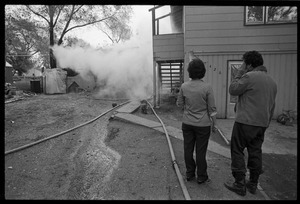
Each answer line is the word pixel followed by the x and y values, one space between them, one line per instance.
pixel 251 187
pixel 238 187
pixel 189 178
pixel 203 181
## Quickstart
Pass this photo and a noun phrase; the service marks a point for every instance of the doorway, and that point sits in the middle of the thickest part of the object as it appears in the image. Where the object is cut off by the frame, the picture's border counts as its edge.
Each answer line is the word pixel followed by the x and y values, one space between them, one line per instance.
pixel 233 66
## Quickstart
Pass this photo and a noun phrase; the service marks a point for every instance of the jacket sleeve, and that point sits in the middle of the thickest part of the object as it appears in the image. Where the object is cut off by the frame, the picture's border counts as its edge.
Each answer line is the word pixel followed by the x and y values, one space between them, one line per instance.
pixel 239 84
pixel 212 110
pixel 180 98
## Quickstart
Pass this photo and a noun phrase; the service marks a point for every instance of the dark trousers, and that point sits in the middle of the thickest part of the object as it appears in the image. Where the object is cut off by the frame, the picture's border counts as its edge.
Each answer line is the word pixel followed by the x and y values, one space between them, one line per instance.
pixel 250 137
pixel 198 136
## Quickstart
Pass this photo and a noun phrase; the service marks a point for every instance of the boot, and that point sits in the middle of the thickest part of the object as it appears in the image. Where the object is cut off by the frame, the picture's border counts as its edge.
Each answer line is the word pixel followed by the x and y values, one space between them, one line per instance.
pixel 238 186
pixel 252 183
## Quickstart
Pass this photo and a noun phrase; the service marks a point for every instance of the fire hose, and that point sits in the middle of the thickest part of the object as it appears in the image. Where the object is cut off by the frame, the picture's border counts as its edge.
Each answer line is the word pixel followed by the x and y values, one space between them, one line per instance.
pixel 64 132
pixel 181 181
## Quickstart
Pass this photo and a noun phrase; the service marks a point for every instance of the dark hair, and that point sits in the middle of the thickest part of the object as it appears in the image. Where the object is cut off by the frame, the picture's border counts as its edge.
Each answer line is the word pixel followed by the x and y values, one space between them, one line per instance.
pixel 253 58
pixel 196 69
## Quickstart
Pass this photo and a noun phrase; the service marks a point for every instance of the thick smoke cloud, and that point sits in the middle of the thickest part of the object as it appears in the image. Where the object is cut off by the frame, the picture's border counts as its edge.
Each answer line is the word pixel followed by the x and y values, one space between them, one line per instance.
pixel 122 70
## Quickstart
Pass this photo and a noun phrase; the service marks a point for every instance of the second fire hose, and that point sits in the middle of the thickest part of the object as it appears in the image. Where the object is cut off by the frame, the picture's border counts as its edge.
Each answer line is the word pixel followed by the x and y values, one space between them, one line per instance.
pixel 181 181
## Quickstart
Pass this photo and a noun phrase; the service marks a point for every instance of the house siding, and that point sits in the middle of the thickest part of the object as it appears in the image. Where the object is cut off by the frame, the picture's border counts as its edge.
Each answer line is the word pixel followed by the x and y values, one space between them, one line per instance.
pixel 168 47
pixel 217 34
pixel 285 78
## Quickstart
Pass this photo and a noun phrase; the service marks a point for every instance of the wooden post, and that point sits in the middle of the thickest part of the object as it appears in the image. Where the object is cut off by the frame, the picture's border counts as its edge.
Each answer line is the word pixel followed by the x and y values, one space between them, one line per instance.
pixel 158 84
pixel 153 22
pixel 154 83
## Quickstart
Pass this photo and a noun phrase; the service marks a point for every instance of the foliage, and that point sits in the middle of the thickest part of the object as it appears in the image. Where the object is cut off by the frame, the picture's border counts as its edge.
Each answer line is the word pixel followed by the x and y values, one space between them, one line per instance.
pixel 116 28
pixel 74 41
pixel 24 40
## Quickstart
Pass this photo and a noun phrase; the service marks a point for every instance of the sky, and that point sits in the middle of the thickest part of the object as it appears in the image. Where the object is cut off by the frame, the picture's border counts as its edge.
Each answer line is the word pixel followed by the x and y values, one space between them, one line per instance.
pixel 141 22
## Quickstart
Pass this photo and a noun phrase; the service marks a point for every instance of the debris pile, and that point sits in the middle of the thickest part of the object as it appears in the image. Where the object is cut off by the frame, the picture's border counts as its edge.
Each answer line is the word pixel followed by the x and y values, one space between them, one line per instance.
pixel 12 94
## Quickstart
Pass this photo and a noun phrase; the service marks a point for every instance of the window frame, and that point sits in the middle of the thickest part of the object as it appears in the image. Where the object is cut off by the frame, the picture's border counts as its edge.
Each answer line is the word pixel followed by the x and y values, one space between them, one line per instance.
pixel 265 22
pixel 253 24
pixel 277 22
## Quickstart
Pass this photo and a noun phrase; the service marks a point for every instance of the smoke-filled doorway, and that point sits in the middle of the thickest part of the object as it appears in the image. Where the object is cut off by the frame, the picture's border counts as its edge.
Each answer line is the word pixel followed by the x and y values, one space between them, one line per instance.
pixel 170 78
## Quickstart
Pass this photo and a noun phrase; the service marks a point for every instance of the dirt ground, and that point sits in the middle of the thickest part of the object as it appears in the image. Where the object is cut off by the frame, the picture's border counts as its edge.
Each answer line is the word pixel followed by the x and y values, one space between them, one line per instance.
pixel 109 159
pixel 56 168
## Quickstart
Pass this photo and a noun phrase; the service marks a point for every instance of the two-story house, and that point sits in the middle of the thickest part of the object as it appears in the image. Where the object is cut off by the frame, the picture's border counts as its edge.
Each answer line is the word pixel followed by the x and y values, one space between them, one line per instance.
pixel 219 36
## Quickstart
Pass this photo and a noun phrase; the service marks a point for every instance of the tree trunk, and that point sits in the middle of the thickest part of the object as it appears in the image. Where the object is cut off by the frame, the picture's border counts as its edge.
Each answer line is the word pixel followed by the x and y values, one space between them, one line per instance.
pixel 51 32
pixel 59 42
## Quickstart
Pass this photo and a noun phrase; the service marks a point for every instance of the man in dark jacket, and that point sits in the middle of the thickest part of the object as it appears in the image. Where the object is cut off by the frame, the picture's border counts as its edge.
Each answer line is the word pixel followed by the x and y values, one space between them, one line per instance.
pixel 256 92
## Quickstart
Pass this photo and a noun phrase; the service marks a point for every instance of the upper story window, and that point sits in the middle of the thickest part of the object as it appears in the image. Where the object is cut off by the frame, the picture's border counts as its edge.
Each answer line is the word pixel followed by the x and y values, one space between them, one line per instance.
pixel 262 15
pixel 167 19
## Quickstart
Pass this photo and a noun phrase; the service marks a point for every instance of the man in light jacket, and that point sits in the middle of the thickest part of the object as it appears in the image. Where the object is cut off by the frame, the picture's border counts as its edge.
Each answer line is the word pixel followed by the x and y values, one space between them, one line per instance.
pixel 256 92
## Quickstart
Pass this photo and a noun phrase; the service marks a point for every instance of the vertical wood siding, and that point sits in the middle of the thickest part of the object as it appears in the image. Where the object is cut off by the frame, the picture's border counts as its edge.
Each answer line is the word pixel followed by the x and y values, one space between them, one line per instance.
pixel 216 75
pixel 281 67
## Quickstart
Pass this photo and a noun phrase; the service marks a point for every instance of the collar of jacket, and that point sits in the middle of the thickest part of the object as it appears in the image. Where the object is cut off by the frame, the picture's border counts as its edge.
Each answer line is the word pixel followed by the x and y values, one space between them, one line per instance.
pixel 260 68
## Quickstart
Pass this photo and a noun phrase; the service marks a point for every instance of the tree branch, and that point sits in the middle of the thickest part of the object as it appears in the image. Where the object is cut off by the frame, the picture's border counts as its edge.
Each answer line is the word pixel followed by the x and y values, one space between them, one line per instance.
pixel 28 44
pixel 108 35
pixel 57 17
pixel 67 25
pixel 78 26
pixel 35 52
pixel 78 9
pixel 37 14
pixel 90 23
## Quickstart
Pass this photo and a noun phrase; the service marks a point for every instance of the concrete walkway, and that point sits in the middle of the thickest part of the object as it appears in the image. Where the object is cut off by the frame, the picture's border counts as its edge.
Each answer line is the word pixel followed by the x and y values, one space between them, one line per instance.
pixel 279 139
pixel 172 131
pixel 124 113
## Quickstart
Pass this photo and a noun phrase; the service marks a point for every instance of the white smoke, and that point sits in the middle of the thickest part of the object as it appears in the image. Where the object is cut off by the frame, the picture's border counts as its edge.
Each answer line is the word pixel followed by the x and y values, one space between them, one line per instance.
pixel 123 69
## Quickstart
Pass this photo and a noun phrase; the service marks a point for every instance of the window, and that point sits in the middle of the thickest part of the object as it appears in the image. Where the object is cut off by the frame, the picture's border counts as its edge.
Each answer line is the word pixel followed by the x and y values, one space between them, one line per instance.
pixel 262 15
pixel 281 14
pixel 168 19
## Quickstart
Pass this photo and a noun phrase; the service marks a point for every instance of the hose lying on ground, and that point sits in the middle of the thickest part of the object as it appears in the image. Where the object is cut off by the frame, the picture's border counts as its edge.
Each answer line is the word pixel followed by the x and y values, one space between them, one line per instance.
pixel 183 187
pixel 223 136
pixel 64 132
